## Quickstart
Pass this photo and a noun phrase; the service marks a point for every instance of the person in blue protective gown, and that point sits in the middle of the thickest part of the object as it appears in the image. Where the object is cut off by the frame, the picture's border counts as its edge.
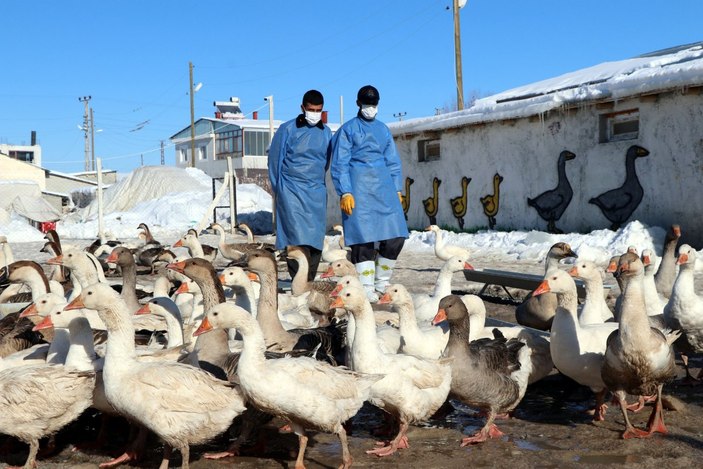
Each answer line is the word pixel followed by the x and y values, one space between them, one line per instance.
pixel 298 160
pixel 367 175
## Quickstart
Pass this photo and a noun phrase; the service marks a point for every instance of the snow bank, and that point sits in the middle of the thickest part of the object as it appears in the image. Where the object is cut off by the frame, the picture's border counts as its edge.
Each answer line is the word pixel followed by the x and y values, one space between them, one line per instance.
pixel 170 200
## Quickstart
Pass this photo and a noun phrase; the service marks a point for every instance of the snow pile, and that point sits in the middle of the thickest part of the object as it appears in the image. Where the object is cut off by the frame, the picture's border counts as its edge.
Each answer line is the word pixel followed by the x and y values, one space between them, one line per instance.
pixel 598 246
pixel 170 200
pixel 17 230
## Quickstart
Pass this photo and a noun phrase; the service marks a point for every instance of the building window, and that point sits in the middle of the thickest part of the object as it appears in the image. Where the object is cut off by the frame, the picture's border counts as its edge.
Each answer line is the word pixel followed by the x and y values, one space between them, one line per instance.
pixel 256 142
pixel 184 155
pixel 618 126
pixel 428 150
pixel 228 144
pixel 27 156
pixel 202 153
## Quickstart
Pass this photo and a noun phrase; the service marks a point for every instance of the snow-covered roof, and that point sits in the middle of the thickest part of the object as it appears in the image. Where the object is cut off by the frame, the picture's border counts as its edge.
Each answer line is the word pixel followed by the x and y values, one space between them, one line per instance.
pixel 657 71
pixel 72 177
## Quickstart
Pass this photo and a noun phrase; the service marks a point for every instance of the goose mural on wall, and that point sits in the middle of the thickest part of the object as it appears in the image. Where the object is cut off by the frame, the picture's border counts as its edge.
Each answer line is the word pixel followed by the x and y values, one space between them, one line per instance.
pixel 550 205
pixel 432 203
pixel 405 198
pixel 459 204
pixel 618 204
pixel 491 202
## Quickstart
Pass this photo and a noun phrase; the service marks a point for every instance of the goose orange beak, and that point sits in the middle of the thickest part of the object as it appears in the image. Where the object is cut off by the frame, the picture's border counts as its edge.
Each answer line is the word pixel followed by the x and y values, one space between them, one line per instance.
pixel 468 266
pixel 58 260
pixel 441 316
pixel 77 303
pixel 329 273
pixel 574 272
pixel 677 231
pixel 183 288
pixel 337 303
pixel 205 326
pixel 385 299
pixel 221 278
pixel 178 244
pixel 682 259
pixel 541 288
pixel 253 277
pixel 646 260
pixel 30 310
pixel 624 268
pixel 335 292
pixel 612 267
pixel 45 324
pixel 177 266
pixel 112 258
pixel 145 309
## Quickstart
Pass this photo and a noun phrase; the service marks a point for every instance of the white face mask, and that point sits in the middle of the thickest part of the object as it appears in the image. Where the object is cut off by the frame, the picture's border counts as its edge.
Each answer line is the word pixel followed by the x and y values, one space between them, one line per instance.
pixel 368 111
pixel 313 117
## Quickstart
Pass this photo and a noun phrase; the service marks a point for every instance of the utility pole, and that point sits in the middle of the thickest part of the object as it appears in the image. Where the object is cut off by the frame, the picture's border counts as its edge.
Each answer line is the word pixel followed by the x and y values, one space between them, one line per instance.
pixel 86 128
pixel 400 115
pixel 162 153
pixel 270 101
pixel 457 55
pixel 192 117
pixel 92 141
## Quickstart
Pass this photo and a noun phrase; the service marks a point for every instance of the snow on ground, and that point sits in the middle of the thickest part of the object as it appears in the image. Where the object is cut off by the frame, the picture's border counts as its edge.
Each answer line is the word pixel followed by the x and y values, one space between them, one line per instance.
pixel 171 200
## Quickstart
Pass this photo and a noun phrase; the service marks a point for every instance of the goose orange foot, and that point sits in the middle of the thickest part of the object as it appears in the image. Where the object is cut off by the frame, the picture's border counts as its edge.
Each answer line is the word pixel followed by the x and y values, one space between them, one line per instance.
pixel 125 457
pixel 390 448
pixel 635 433
pixel 483 435
pixel 639 405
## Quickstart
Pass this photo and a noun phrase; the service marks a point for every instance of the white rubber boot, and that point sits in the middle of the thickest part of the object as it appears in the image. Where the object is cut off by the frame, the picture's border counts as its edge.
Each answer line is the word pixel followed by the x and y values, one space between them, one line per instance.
pixel 367 275
pixel 384 271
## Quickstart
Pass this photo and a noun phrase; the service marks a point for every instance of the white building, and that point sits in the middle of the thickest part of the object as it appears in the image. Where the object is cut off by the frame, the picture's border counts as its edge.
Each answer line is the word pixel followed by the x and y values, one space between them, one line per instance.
pixel 478 167
pixel 228 134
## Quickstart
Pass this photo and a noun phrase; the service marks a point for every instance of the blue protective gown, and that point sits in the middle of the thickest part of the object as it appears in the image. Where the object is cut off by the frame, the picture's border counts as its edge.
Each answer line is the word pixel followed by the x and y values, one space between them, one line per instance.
pixel 365 163
pixel 298 160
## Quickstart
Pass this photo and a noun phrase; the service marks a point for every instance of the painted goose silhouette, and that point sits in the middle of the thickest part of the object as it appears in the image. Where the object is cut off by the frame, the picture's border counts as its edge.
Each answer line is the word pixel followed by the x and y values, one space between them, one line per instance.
pixel 432 203
pixel 406 197
pixel 618 204
pixel 459 204
pixel 550 205
pixel 491 202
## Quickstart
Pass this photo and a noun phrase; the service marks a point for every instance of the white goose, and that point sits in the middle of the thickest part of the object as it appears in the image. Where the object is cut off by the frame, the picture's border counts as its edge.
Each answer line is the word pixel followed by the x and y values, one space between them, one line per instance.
pixel 595 310
pixel 191 242
pixel 684 311
pixel 577 351
pixel 412 388
pixel 654 301
pixel 445 251
pixel 182 404
pixel 425 342
pixel 301 390
pixel 426 304
pixel 330 254
pixel 38 400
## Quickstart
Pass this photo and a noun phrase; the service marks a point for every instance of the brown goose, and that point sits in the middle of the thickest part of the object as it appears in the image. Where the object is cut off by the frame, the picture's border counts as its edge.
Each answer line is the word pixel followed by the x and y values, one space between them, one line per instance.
pixel 639 358
pixel 250 237
pixel 490 374
pixel 538 311
pixel 666 273
pixel 327 340
pixel 319 291
pixel 123 257
pixel 234 251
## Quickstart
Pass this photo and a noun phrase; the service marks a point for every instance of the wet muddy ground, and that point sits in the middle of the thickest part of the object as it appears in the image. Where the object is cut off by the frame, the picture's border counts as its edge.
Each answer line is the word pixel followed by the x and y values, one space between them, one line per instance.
pixel 550 428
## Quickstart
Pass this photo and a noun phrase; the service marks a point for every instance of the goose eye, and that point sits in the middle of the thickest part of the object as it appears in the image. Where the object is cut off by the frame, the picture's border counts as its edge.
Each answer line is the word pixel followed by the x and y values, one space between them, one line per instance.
pixel 43 302
pixel 215 314
pixel 347 294
pixel 90 293
pixel 70 255
pixel 58 312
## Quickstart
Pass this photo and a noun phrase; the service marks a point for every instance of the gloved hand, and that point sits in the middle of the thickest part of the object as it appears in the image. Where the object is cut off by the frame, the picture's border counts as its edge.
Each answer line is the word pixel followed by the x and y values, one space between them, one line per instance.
pixel 400 197
pixel 347 203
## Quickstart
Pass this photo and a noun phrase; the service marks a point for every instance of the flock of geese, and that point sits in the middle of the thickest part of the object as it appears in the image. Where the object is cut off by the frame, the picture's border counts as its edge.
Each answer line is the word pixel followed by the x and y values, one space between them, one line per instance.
pixel 188 349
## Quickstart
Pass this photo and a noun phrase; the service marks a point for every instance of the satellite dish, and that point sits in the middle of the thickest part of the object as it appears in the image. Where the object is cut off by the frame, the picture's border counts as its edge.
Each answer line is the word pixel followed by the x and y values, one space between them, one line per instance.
pixel 197 87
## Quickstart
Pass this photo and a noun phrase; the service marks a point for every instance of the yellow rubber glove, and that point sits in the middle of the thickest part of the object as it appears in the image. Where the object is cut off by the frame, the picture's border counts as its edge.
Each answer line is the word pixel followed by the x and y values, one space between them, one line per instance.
pixel 400 197
pixel 347 203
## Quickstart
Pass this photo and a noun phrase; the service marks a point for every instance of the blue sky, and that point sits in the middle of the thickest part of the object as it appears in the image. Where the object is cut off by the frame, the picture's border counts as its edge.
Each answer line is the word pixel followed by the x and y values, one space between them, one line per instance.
pixel 132 58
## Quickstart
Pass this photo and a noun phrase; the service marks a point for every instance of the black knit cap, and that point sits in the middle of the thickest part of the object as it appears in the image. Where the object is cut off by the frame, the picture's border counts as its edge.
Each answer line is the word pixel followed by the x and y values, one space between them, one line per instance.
pixel 368 95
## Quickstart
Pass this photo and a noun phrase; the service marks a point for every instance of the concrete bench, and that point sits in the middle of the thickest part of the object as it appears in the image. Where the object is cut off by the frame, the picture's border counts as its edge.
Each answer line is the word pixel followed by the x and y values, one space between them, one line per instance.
pixel 521 280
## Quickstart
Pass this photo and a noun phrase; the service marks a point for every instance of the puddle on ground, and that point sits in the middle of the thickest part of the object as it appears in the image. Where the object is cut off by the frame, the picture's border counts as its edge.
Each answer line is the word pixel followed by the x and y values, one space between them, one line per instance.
pixel 607 458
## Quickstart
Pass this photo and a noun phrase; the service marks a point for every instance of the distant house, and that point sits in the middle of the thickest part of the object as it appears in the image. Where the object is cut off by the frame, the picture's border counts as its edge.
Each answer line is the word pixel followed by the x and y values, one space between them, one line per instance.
pixel 497 163
pixel 228 134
